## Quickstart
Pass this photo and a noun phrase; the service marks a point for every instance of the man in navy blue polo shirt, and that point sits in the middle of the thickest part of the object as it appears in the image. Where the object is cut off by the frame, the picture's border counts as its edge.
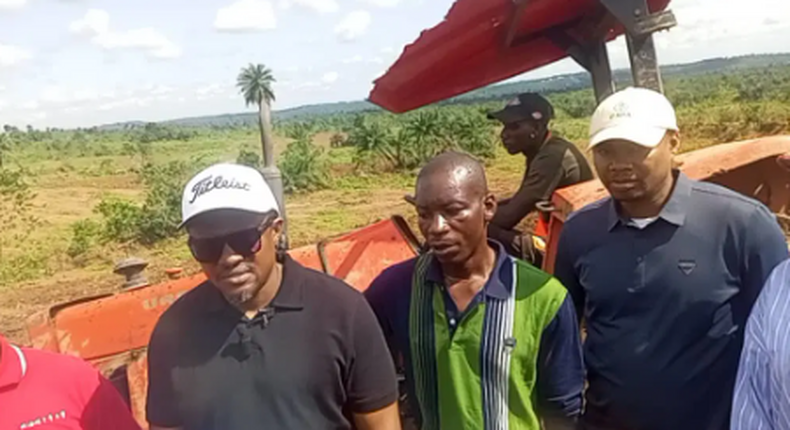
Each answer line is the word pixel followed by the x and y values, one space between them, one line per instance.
pixel 665 272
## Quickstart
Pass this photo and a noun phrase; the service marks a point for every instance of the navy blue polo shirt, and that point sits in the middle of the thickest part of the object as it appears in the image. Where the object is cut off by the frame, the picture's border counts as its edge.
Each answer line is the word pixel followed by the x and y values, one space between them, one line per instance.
pixel 665 305
pixel 560 371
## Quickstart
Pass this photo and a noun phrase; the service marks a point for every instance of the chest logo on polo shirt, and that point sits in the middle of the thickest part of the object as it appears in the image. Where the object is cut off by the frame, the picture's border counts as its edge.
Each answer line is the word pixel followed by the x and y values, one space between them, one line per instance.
pixel 45 419
pixel 687 266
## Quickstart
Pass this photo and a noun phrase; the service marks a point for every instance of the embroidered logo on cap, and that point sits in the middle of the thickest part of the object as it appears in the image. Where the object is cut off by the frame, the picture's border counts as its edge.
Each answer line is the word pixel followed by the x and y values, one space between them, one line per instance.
pixel 620 110
pixel 210 183
pixel 514 102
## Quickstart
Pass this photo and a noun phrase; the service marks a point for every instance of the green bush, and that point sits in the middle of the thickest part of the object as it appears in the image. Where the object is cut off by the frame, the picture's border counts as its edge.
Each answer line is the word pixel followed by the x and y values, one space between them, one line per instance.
pixel 249 158
pixel 160 213
pixel 385 144
pixel 16 202
pixel 84 235
pixel 303 165
pixel 121 219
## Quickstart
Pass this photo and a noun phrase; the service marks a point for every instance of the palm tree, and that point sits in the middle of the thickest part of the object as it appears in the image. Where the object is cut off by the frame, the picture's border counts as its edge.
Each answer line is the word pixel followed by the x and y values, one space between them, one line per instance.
pixel 255 84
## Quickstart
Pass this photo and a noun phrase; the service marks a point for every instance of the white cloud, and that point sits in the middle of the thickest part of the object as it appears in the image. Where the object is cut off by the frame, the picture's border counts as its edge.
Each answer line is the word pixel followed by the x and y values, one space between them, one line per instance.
pixel 12 4
pixel 703 21
pixel 146 39
pixel 13 55
pixel 354 25
pixel 381 3
pixel 320 6
pixel 330 77
pixel 161 90
pixel 96 25
pixel 3 104
pixel 2 88
pixel 360 59
pixel 355 59
pixel 30 105
pixel 213 90
pixel 57 95
pixel 246 15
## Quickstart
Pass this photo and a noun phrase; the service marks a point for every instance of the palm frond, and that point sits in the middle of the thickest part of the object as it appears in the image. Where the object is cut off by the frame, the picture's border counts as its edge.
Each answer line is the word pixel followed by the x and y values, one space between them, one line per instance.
pixel 255 84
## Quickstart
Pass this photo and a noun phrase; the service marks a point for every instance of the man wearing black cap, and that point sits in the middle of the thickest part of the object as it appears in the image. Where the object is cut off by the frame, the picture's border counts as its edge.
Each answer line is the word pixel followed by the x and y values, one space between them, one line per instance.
pixel 552 163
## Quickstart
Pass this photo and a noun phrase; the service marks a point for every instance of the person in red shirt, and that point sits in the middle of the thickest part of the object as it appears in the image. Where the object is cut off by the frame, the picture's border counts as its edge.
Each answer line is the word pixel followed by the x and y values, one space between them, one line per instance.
pixel 44 390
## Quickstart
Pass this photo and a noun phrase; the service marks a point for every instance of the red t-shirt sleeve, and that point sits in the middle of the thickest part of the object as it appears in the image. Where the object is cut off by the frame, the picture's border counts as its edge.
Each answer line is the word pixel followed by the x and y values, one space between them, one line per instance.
pixel 106 409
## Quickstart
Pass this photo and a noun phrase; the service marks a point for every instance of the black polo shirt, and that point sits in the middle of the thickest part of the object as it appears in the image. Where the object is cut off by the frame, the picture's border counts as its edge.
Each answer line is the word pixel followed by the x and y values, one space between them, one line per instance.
pixel 666 304
pixel 310 360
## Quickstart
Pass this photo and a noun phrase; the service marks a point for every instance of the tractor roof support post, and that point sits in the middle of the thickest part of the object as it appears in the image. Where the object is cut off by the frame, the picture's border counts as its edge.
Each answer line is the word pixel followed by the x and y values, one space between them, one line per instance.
pixel 644 64
pixel 274 178
pixel 599 68
pixel 592 56
pixel 640 24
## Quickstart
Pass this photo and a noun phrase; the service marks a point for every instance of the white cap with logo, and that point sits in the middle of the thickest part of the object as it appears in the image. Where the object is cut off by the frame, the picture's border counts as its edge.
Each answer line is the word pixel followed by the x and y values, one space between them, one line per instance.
pixel 227 186
pixel 638 115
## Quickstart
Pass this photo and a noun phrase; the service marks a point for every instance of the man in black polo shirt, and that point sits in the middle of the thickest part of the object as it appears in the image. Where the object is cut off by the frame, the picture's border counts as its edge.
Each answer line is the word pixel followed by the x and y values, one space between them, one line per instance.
pixel 665 273
pixel 552 163
pixel 264 343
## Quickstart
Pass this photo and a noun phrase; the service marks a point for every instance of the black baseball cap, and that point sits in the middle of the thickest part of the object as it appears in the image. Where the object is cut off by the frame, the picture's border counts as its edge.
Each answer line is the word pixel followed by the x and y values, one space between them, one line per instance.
pixel 526 106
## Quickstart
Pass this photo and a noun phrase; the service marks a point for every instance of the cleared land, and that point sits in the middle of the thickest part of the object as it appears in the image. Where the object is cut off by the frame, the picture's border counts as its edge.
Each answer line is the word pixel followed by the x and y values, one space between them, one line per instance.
pixel 71 173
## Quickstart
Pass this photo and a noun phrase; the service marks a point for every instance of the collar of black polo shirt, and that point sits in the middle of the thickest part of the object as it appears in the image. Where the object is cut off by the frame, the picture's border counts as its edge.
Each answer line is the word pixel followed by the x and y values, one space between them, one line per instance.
pixel 290 296
pixel 673 212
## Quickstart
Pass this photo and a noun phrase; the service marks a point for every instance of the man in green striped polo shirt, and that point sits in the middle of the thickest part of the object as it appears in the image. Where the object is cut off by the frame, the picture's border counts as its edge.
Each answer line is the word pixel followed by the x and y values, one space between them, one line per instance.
pixel 488 341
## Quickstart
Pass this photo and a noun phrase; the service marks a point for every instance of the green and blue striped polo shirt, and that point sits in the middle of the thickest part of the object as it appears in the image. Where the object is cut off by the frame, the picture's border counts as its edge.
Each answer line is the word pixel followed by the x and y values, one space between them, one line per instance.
pixel 513 356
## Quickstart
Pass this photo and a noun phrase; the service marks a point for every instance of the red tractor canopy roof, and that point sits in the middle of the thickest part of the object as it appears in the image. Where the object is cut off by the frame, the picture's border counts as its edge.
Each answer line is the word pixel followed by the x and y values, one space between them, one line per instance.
pixel 481 42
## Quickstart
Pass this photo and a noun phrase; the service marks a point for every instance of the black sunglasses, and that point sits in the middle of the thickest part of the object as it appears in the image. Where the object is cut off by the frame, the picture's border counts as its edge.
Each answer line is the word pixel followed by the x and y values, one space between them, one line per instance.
pixel 245 242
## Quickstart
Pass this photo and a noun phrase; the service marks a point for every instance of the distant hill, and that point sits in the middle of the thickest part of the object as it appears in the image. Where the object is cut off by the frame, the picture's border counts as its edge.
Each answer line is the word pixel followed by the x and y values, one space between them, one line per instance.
pixel 559 83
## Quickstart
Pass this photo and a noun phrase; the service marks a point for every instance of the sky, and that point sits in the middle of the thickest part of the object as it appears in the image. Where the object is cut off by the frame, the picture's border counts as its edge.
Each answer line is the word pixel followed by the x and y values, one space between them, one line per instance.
pixel 79 63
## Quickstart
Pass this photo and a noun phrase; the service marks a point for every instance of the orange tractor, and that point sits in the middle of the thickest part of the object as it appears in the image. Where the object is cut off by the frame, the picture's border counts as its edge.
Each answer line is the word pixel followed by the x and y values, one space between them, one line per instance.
pixel 477 44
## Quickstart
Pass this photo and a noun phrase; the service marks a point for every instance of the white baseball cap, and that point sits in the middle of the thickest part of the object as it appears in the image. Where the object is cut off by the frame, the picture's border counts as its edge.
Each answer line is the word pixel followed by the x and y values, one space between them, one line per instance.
pixel 227 186
pixel 638 115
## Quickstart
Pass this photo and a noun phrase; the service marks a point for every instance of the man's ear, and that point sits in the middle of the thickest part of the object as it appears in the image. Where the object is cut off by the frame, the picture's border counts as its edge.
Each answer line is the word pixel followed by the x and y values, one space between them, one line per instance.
pixel 489 206
pixel 674 141
pixel 277 227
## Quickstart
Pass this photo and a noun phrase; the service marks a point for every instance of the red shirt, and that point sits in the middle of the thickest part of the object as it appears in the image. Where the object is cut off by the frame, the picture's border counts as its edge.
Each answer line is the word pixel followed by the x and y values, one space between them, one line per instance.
pixel 44 390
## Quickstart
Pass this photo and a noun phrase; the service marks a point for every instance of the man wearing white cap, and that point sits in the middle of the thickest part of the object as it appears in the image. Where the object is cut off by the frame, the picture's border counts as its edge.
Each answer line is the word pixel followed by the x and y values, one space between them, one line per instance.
pixel 264 342
pixel 664 272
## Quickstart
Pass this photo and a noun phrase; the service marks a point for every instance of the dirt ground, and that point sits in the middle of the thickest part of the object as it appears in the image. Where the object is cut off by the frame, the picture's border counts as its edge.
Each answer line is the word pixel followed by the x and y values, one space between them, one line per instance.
pixel 311 216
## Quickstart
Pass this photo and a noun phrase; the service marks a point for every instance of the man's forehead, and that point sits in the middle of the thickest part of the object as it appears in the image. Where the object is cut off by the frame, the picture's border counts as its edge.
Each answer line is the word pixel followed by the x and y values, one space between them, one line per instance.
pixel 449 188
